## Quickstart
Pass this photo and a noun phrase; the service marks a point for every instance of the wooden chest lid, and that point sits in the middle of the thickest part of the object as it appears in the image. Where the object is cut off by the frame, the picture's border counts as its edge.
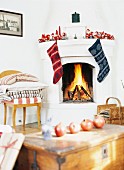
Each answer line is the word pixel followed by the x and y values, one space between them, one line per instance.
pixel 73 142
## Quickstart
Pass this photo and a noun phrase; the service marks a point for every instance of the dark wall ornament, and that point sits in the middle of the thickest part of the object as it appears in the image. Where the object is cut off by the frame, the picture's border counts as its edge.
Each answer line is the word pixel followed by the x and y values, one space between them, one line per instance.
pixel 11 23
pixel 75 17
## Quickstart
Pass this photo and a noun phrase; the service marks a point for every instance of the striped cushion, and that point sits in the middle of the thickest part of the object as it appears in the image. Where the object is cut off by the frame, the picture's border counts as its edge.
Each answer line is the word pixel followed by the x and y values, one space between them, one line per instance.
pixel 7 80
pixel 24 94
pixel 13 78
pixel 26 77
pixel 25 100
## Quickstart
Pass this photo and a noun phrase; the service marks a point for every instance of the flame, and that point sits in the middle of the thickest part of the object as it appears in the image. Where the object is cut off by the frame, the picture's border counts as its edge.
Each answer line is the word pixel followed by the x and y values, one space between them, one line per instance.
pixel 79 80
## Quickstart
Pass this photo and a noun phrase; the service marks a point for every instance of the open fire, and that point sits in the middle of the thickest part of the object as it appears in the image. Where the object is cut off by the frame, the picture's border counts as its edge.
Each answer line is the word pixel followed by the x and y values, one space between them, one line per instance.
pixel 79 89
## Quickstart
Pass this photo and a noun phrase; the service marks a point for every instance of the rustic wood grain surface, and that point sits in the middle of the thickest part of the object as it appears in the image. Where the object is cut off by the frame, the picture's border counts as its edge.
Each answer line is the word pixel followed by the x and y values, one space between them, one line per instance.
pixel 99 149
pixel 69 142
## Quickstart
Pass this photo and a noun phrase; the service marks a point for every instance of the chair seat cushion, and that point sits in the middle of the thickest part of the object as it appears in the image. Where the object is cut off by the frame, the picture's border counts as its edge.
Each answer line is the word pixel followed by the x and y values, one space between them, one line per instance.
pixel 24 100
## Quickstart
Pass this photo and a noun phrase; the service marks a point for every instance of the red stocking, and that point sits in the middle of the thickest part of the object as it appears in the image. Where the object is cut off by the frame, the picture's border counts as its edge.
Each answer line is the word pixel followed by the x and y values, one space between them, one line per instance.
pixel 56 62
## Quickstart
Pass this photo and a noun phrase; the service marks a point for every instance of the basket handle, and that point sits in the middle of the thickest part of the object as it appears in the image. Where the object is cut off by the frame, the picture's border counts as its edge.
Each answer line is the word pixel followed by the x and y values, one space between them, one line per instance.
pixel 115 99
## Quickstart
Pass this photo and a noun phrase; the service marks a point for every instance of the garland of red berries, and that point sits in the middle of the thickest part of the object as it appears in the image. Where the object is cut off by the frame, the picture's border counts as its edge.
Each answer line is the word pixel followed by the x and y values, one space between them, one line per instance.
pixel 63 36
pixel 54 36
pixel 98 35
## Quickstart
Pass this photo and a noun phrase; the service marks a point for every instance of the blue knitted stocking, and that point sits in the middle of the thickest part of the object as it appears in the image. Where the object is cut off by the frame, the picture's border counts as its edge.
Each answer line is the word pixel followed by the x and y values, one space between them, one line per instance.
pixel 99 56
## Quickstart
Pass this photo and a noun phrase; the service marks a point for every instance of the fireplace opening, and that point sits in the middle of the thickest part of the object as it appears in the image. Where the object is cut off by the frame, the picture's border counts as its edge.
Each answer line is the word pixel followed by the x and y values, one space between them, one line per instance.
pixel 77 82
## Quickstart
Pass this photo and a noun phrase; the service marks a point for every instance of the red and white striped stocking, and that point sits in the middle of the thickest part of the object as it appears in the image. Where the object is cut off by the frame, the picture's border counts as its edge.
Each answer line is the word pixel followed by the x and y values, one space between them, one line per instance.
pixel 56 62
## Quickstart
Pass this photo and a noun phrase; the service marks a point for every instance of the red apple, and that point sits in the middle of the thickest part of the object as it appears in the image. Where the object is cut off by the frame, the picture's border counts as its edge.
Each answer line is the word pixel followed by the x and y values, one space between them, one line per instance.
pixel 74 127
pixel 60 130
pixel 87 124
pixel 99 121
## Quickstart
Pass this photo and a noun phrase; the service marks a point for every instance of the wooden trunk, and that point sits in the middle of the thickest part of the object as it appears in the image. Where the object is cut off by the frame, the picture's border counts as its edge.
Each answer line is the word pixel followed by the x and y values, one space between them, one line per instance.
pixel 99 149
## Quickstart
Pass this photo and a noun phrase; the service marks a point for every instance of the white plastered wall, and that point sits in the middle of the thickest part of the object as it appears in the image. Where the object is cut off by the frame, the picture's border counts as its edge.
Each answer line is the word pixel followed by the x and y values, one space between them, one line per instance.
pixel 44 16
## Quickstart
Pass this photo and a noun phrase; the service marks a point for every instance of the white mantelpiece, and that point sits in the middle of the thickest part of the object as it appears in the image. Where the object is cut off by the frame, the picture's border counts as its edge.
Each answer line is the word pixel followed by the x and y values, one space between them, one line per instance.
pixel 72 51
pixel 75 47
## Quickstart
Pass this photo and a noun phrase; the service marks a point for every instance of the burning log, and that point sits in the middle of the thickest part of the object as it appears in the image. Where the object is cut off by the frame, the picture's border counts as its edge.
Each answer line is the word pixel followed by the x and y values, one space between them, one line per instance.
pixel 86 93
pixel 70 95
pixel 77 94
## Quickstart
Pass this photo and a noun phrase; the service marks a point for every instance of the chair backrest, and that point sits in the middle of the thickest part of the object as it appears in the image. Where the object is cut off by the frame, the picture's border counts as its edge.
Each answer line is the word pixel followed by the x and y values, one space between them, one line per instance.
pixel 8 72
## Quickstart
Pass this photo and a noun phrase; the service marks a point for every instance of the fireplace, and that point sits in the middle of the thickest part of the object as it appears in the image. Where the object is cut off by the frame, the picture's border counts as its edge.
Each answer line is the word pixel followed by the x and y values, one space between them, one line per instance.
pixel 78 92
pixel 77 83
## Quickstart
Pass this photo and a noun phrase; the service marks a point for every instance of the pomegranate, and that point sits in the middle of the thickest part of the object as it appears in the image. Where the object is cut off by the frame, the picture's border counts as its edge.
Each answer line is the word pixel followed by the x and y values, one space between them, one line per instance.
pixel 74 127
pixel 99 121
pixel 60 130
pixel 87 124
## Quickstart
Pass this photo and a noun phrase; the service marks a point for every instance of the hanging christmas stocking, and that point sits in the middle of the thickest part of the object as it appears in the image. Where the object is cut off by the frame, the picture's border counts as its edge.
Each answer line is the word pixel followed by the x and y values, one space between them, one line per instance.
pixel 99 56
pixel 56 62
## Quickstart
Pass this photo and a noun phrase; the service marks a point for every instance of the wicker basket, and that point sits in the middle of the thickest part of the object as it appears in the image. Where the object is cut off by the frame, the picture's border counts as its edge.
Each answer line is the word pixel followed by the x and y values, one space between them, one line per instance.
pixel 115 111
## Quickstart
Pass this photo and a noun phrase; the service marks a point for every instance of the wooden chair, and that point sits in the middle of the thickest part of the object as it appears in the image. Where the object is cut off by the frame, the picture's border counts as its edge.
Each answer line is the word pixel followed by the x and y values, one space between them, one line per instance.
pixel 24 106
pixel 15 106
